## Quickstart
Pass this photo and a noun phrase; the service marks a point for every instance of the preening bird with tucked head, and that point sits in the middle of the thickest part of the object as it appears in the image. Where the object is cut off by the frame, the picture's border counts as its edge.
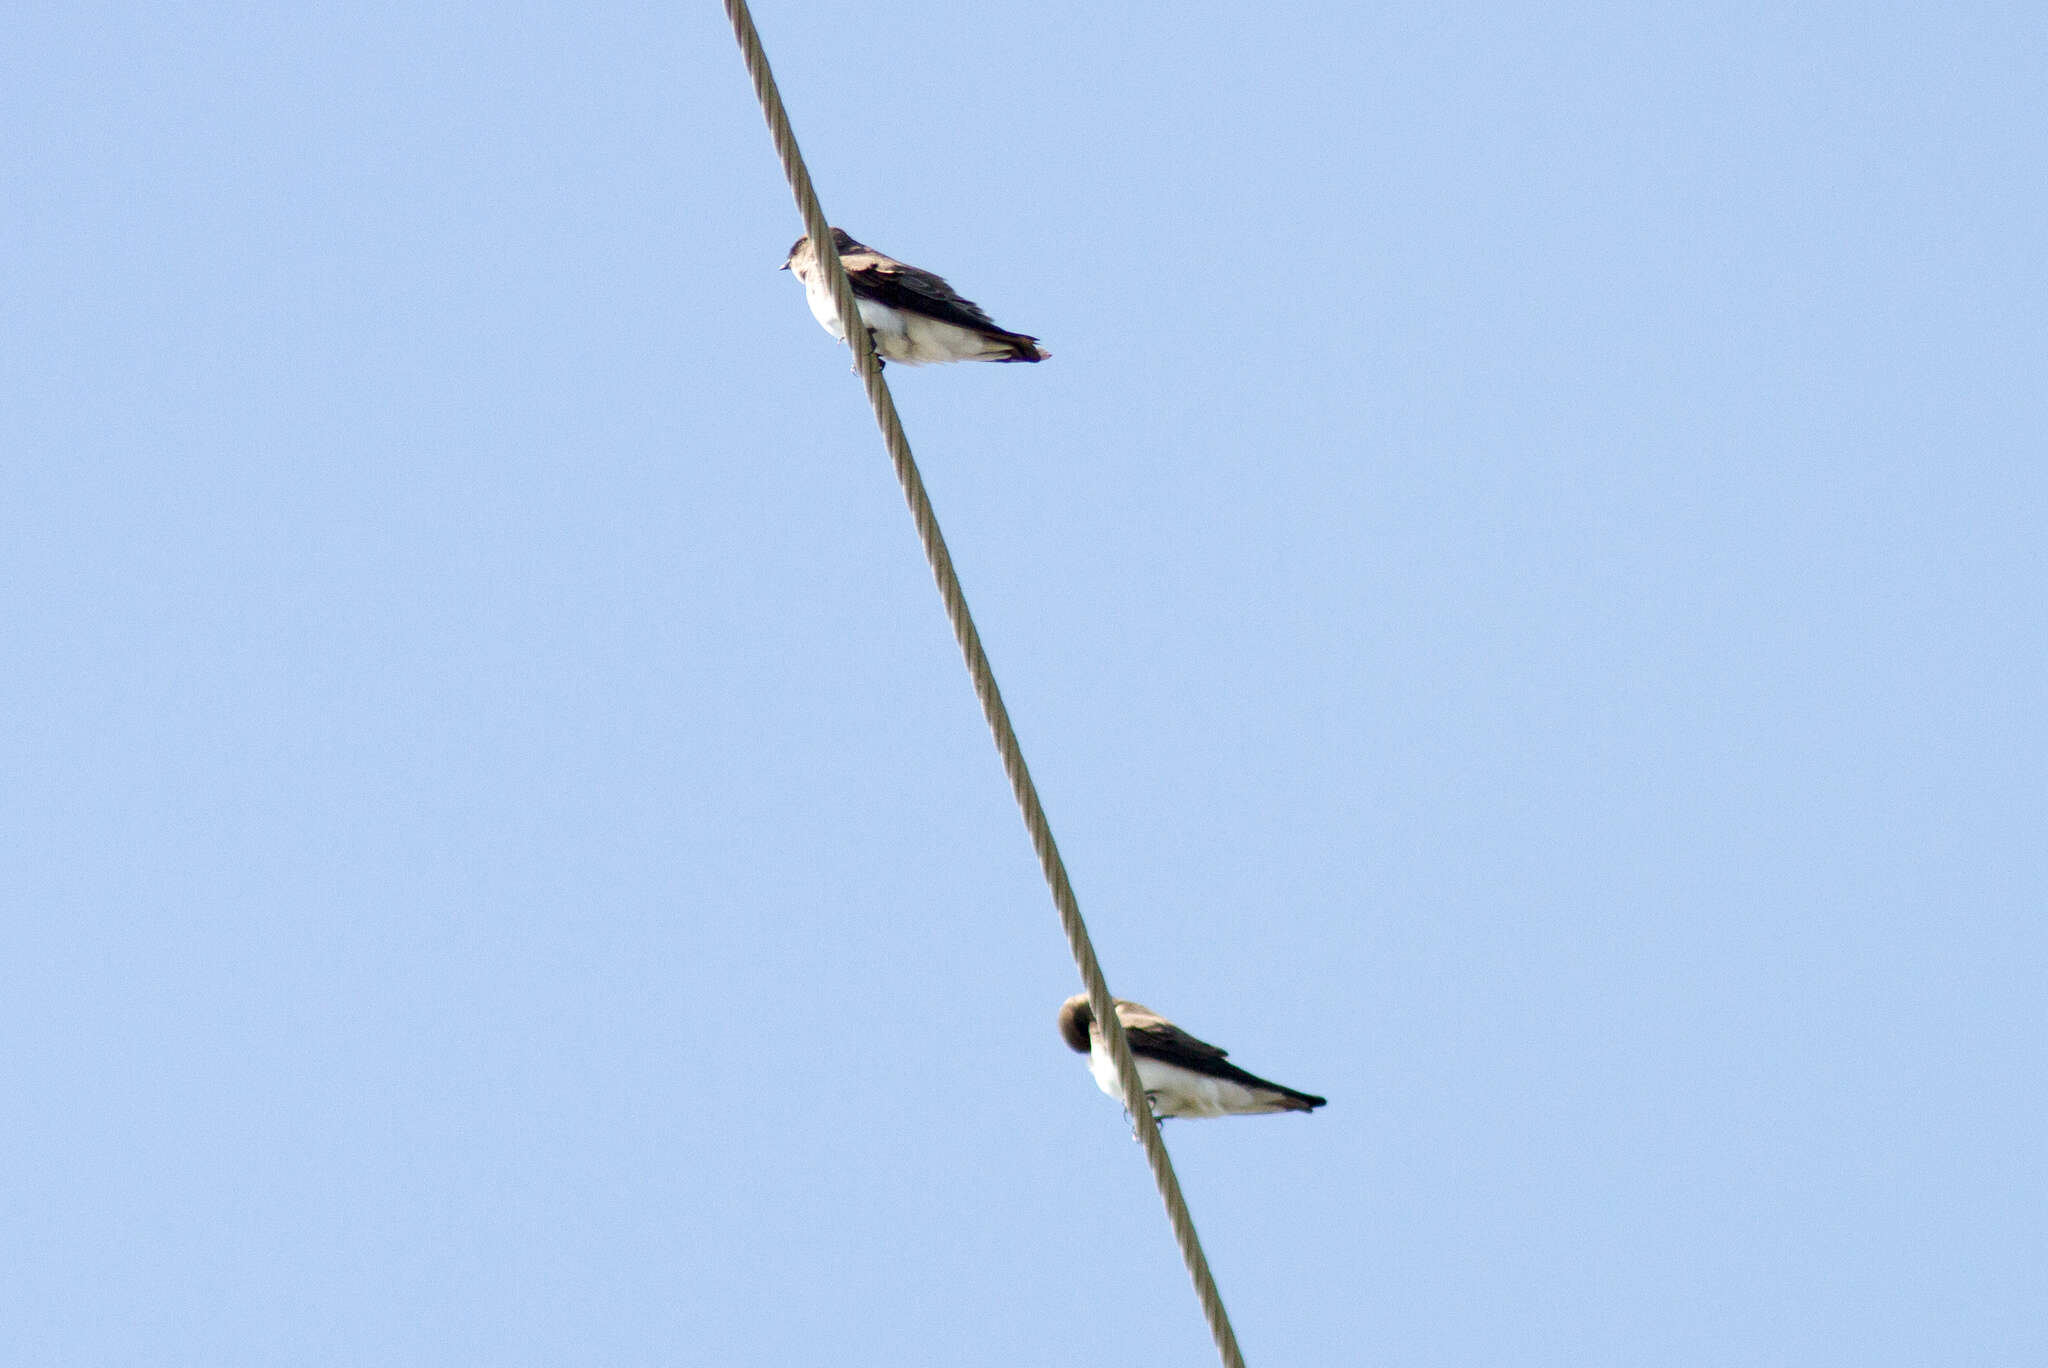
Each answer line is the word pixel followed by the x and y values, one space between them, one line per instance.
pixel 1182 1076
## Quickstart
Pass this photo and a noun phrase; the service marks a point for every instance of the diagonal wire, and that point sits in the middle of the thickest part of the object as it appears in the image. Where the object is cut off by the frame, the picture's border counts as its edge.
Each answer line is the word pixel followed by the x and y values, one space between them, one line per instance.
pixel 1099 1000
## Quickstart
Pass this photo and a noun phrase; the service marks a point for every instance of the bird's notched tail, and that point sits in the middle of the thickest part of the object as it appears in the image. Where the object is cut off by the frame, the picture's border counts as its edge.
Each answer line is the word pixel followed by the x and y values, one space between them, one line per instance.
pixel 1182 1076
pixel 1022 348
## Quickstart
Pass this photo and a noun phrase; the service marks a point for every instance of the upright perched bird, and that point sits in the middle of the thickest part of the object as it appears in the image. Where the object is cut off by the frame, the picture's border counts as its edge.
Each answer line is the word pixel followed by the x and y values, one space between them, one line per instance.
pixel 1183 1076
pixel 912 315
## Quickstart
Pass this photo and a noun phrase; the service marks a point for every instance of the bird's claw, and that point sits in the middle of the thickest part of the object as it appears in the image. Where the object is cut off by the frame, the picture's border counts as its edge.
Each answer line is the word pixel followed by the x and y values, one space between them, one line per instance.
pixel 1152 1104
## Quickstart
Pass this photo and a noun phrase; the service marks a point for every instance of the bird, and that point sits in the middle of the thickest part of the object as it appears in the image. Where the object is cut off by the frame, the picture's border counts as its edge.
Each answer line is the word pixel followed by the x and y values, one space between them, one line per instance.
pixel 1183 1076
pixel 912 315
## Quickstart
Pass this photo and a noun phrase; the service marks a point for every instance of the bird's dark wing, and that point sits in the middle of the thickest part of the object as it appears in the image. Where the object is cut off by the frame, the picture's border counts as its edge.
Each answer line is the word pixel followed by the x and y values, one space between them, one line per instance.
pixel 1154 1037
pixel 1152 1034
pixel 888 281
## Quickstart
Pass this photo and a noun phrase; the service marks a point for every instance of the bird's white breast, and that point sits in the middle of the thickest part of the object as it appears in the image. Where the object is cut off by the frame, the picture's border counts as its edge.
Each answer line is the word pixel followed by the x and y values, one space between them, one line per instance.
pixel 819 297
pixel 1174 1091
pixel 910 338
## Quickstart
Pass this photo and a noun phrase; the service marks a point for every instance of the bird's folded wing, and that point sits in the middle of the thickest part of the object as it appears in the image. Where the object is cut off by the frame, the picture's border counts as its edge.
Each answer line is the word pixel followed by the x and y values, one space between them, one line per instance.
pixel 905 287
pixel 1162 1040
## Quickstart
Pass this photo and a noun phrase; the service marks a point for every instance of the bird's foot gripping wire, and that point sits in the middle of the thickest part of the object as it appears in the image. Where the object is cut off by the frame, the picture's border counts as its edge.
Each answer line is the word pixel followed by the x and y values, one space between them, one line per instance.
pixel 1152 1101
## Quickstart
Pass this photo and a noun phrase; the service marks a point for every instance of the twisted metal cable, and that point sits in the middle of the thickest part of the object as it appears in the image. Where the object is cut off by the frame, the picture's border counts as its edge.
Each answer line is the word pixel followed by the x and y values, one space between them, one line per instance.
pixel 983 675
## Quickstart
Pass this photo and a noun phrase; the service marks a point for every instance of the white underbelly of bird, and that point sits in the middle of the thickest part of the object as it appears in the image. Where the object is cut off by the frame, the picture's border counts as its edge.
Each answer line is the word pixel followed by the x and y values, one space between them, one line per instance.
pixel 907 338
pixel 1174 1091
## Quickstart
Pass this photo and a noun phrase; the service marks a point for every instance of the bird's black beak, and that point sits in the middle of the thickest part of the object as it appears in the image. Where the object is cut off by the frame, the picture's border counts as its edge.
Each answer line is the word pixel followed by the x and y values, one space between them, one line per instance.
pixel 783 267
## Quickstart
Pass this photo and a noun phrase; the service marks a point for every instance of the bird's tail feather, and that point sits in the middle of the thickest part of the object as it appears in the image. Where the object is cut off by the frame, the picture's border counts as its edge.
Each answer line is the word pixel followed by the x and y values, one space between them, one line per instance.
pixel 1022 348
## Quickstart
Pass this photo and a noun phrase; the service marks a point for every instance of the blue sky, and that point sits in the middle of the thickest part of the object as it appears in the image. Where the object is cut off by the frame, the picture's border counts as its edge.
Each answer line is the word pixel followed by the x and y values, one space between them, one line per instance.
pixel 1522 586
